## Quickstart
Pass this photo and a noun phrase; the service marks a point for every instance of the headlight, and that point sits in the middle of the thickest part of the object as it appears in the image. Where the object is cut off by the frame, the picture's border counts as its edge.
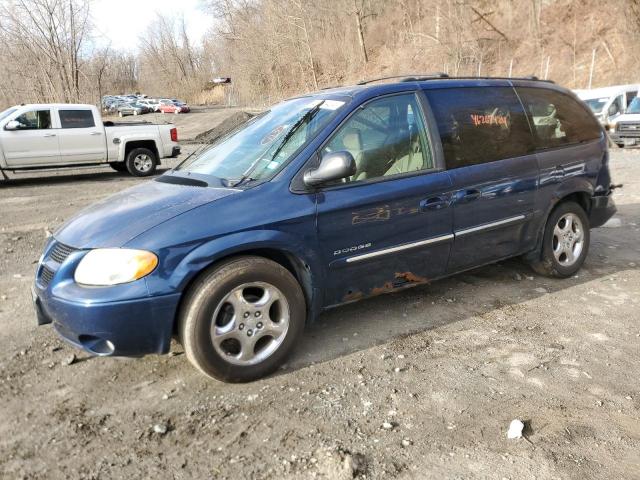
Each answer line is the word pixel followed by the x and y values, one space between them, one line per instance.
pixel 111 266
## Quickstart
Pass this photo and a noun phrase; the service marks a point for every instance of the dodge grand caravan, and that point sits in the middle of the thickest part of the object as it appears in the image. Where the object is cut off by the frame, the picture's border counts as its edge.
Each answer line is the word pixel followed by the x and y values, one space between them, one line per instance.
pixel 322 200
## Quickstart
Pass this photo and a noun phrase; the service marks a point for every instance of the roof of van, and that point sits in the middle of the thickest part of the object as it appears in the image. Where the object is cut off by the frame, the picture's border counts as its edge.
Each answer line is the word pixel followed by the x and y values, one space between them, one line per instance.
pixel 430 82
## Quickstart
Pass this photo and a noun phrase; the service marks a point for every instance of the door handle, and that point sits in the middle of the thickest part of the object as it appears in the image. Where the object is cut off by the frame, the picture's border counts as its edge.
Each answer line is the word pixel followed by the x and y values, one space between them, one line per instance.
pixel 46 135
pixel 96 133
pixel 434 203
pixel 466 196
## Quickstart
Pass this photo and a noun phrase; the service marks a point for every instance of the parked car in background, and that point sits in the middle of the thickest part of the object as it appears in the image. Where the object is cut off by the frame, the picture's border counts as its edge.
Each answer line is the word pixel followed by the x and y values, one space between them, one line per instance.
pixel 124 109
pixel 626 129
pixel 169 106
pixel 608 103
pixel 184 108
pixel 64 135
pixel 144 108
pixel 377 187
pixel 151 104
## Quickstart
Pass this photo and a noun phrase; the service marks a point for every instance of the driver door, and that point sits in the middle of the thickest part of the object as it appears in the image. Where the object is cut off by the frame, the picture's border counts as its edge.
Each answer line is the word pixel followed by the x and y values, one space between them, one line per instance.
pixel 390 225
pixel 34 142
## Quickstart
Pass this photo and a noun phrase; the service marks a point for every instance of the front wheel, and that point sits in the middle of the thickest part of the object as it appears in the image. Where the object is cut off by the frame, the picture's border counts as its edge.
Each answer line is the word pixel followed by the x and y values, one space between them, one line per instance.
pixel 241 319
pixel 141 162
pixel 565 243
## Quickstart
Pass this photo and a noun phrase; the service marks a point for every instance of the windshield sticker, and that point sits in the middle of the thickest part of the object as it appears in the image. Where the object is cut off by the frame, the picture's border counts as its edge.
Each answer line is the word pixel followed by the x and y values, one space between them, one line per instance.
pixel 331 105
pixel 326 104
pixel 492 119
pixel 272 135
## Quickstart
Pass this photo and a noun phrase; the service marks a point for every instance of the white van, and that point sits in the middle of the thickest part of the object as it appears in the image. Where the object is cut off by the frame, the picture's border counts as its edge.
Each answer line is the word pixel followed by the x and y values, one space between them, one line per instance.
pixel 608 103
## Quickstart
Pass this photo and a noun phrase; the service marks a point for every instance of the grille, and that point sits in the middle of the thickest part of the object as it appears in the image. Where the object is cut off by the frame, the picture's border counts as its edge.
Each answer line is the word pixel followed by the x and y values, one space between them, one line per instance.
pixel 630 128
pixel 46 274
pixel 60 252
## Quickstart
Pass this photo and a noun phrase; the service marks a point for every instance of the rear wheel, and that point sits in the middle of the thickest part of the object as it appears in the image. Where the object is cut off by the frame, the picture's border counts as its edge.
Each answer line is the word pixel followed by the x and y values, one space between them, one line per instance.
pixel 141 162
pixel 565 243
pixel 241 319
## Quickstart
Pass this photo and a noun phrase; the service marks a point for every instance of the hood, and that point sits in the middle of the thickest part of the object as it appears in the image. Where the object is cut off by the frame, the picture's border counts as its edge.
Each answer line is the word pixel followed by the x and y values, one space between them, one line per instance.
pixel 628 117
pixel 120 218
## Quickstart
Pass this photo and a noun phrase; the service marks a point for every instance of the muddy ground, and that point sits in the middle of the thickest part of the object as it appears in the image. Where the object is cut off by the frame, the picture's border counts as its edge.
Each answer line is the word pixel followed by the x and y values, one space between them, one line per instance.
pixel 417 384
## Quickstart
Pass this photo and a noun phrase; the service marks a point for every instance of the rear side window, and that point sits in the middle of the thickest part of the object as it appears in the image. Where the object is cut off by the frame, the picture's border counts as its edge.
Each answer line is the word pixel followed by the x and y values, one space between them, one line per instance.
pixel 480 124
pixel 557 118
pixel 76 119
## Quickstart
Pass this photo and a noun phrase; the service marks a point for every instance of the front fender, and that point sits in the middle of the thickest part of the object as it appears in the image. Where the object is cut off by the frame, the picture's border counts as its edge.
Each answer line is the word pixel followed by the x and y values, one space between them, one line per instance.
pixel 176 274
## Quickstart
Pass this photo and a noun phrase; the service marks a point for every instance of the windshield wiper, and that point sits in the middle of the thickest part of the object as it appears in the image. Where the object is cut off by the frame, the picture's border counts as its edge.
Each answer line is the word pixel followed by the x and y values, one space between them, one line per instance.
pixel 307 117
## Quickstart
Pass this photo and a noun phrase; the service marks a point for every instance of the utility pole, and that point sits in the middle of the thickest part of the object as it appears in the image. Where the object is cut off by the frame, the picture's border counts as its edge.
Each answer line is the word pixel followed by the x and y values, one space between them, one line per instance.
pixel 593 64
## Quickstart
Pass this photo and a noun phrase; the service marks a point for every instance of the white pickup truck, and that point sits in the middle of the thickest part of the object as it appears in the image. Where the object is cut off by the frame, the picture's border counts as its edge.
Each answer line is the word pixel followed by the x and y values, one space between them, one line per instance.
pixel 63 135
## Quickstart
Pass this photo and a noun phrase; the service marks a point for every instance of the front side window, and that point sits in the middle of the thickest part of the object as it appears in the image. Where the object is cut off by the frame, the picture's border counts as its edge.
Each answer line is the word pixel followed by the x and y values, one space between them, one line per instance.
pixel 557 118
pixel 76 119
pixel 261 147
pixel 34 120
pixel 480 124
pixel 386 137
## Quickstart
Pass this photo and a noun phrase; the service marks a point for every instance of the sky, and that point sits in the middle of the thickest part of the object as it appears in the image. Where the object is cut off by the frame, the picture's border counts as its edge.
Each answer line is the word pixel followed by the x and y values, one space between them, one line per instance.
pixel 121 22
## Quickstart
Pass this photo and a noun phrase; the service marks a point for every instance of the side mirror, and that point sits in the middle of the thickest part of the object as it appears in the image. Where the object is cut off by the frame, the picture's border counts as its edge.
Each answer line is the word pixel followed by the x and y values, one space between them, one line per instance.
pixel 613 109
pixel 333 166
pixel 12 125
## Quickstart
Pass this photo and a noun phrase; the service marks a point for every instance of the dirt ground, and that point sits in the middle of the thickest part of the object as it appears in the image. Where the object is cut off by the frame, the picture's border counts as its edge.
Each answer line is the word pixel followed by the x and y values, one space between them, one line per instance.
pixel 417 384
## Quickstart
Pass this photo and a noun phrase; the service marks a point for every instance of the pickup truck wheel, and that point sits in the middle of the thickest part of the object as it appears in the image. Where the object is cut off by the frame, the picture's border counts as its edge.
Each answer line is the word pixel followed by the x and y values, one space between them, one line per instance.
pixel 141 162
pixel 241 319
pixel 118 166
pixel 565 243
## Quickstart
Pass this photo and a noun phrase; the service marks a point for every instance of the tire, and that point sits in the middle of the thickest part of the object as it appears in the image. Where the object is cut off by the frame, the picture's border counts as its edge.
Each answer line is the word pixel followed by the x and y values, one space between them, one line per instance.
pixel 141 162
pixel 118 166
pixel 254 345
pixel 564 245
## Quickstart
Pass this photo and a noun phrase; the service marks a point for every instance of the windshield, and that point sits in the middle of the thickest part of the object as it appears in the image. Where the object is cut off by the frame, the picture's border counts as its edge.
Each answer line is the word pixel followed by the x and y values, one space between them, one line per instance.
pixel 262 146
pixel 596 104
pixel 6 113
pixel 634 106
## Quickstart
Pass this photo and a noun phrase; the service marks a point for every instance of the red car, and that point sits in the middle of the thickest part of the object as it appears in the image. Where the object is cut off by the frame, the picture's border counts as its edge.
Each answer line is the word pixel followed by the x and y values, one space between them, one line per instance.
pixel 173 106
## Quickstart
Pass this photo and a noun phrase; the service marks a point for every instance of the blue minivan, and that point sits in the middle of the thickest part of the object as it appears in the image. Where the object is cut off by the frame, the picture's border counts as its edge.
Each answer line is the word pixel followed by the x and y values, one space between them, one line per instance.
pixel 325 199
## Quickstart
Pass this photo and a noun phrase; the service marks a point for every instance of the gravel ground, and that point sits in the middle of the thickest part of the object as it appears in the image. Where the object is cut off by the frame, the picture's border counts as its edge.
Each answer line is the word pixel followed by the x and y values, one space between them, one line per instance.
pixel 417 384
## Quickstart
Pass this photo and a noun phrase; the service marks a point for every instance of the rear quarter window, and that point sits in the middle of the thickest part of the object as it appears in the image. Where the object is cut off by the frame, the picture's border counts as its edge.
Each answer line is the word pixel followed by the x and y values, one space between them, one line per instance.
pixel 76 119
pixel 480 124
pixel 557 118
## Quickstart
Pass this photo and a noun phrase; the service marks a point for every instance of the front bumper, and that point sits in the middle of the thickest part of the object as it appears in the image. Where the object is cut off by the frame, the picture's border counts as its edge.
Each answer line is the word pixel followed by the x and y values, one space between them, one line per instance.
pixel 602 209
pixel 126 328
pixel 624 139
pixel 122 320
